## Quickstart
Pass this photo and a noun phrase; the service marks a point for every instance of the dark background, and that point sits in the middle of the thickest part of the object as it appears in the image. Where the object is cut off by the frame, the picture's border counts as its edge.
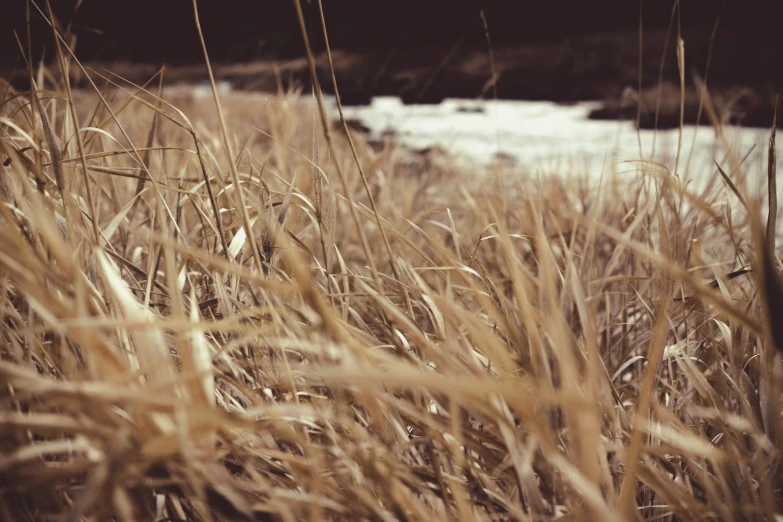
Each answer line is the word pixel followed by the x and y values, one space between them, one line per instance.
pixel 237 30
pixel 555 50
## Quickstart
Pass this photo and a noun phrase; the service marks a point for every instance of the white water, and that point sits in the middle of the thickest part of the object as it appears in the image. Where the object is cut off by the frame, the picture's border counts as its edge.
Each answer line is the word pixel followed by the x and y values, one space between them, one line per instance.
pixel 547 137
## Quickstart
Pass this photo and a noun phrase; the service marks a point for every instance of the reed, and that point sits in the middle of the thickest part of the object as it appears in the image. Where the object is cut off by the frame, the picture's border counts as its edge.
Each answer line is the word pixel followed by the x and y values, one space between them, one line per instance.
pixel 407 344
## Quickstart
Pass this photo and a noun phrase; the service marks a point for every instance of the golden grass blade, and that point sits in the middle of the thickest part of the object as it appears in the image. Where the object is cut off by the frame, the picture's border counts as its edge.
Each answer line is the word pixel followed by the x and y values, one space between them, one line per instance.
pixel 772 186
pixel 150 347
pixel 229 150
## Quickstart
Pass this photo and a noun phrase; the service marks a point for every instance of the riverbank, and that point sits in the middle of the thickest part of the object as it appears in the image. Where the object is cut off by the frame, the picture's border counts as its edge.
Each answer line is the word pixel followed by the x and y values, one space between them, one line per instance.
pixel 590 67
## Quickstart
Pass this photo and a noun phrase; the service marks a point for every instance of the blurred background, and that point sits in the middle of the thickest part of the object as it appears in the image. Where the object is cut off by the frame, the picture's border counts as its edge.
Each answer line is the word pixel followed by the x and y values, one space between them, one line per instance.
pixel 396 62
pixel 562 50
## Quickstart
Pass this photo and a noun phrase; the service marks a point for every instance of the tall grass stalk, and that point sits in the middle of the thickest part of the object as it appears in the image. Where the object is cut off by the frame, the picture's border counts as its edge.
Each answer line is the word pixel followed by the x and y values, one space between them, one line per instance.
pixel 548 351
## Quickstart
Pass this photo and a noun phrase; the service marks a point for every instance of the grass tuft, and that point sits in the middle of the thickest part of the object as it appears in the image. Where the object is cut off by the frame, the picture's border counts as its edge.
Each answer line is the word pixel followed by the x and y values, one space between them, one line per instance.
pixel 415 345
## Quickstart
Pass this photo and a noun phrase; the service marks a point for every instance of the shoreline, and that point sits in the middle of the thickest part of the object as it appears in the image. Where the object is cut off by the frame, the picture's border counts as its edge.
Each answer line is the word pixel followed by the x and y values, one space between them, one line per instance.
pixel 591 67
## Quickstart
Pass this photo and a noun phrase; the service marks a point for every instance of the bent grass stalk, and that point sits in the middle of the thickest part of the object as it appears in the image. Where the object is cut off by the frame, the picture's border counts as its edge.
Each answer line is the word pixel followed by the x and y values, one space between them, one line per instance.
pixel 568 356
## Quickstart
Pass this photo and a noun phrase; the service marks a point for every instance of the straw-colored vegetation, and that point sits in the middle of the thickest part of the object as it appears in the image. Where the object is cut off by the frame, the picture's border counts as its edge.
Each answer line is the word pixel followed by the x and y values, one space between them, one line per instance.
pixel 404 342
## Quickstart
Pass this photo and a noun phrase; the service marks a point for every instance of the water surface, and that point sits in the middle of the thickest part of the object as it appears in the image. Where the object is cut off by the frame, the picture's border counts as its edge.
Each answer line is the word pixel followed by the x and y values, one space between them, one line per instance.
pixel 552 138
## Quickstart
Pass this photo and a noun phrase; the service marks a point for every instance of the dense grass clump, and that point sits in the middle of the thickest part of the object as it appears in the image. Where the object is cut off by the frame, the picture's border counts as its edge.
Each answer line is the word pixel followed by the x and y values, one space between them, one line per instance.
pixel 244 318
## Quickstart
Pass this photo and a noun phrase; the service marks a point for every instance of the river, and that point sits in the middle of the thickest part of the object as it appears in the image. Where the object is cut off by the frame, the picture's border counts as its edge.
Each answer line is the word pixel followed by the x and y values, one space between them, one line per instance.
pixel 549 138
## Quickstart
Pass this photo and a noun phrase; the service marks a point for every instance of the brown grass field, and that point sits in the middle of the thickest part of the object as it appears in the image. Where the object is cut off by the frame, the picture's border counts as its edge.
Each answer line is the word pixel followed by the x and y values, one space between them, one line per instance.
pixel 228 310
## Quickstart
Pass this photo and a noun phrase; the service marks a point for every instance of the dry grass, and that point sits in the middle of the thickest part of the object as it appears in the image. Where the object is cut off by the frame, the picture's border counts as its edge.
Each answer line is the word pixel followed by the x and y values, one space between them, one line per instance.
pixel 513 350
